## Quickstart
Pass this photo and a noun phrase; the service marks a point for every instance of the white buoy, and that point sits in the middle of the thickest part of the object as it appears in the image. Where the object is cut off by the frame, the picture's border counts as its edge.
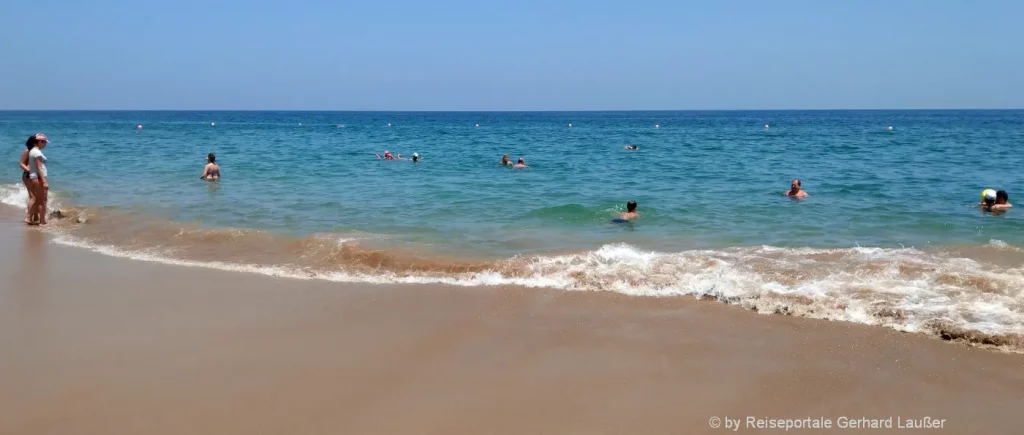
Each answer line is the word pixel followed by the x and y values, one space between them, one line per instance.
pixel 213 124
pixel 570 125
pixel 890 128
pixel 139 127
pixel 389 124
pixel 766 126
pixel 477 126
pixel 657 126
pixel 300 124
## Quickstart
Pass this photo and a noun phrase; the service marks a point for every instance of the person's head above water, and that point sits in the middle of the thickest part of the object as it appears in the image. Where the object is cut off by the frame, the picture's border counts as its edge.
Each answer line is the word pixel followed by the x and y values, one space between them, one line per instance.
pixel 795 185
pixel 415 157
pixel 1002 197
pixel 988 197
pixel 211 158
pixel 631 206
pixel 521 161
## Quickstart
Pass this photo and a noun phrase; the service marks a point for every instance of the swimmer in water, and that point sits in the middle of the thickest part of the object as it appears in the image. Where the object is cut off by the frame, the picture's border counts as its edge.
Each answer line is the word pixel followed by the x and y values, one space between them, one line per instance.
pixel 505 161
pixel 631 147
pixel 995 201
pixel 1002 201
pixel 630 213
pixel 388 156
pixel 212 171
pixel 795 191
pixel 521 164
pixel 415 157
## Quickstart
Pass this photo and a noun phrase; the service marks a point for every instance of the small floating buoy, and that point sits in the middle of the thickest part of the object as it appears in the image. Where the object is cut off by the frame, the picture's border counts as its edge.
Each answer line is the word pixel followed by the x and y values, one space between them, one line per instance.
pixel 213 124
pixel 657 126
pixel 570 125
pixel 139 127
pixel 890 128
pixel 389 124
pixel 300 124
pixel 766 126
pixel 477 126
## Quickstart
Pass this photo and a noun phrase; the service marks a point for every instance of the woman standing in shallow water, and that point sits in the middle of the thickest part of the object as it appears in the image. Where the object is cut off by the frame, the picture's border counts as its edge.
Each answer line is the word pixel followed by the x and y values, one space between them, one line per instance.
pixel 37 179
pixel 23 162
pixel 211 172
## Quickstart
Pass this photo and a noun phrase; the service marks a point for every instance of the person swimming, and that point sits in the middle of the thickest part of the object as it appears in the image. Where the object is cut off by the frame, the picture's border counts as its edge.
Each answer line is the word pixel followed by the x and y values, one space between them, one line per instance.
pixel 795 191
pixel 631 147
pixel 521 164
pixel 388 156
pixel 211 172
pixel 629 215
pixel 415 157
pixel 992 200
pixel 1002 201
pixel 505 161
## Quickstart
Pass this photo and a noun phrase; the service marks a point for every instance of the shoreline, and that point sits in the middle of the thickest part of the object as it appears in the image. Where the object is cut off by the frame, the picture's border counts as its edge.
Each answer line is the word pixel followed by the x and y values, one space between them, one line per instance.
pixel 961 280
pixel 98 344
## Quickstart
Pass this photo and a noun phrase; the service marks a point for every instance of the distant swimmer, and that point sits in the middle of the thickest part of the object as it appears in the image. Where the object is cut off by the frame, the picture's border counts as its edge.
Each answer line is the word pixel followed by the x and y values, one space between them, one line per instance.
pixel 795 191
pixel 212 171
pixel 631 147
pixel 388 156
pixel 505 161
pixel 630 213
pixel 521 164
pixel 992 200
pixel 415 157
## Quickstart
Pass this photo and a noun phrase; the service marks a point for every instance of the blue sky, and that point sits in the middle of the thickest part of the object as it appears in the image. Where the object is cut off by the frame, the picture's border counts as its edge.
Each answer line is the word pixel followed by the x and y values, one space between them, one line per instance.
pixel 510 55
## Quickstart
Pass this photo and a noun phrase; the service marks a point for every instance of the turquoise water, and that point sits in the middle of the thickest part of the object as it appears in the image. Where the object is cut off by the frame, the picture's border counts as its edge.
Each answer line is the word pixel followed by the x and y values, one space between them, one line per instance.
pixel 891 234
pixel 702 179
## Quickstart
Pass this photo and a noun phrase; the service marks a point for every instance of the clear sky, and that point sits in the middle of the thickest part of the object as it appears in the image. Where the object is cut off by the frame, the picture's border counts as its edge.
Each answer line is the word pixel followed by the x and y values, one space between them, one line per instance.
pixel 510 55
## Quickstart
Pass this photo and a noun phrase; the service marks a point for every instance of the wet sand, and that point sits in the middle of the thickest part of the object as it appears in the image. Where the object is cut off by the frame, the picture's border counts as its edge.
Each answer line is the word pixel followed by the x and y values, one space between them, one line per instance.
pixel 96 345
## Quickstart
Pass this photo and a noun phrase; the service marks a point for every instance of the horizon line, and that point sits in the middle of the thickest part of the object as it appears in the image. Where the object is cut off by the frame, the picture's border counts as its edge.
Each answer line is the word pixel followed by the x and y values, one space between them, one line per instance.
pixel 512 111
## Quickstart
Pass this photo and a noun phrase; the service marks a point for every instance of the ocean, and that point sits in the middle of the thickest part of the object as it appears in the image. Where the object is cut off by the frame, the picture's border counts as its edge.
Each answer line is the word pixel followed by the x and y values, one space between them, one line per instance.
pixel 890 235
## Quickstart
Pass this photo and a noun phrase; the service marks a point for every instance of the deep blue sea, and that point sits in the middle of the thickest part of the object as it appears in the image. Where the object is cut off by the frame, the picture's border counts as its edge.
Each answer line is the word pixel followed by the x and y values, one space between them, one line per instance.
pixel 894 211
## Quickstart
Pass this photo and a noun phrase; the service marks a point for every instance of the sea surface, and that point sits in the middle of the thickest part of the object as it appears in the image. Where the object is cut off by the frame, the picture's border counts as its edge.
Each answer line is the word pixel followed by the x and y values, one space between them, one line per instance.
pixel 891 233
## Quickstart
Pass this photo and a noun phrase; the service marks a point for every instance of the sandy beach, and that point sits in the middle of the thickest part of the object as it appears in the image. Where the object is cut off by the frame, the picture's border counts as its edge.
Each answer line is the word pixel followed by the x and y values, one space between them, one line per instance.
pixel 91 344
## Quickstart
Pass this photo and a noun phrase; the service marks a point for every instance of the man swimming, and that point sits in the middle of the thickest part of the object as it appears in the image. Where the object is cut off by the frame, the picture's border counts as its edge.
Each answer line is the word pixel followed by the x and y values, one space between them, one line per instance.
pixel 521 164
pixel 631 147
pixel 1002 201
pixel 630 213
pixel 994 201
pixel 795 191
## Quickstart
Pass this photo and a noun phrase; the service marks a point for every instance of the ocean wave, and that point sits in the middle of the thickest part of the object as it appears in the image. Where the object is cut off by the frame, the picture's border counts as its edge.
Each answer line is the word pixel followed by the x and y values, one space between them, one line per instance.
pixel 17 195
pixel 904 289
pixel 14 194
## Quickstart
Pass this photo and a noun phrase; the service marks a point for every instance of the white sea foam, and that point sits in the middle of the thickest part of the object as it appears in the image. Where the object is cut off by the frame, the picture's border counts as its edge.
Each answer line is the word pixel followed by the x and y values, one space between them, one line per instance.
pixel 17 195
pixel 1001 245
pixel 905 289
pixel 14 194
